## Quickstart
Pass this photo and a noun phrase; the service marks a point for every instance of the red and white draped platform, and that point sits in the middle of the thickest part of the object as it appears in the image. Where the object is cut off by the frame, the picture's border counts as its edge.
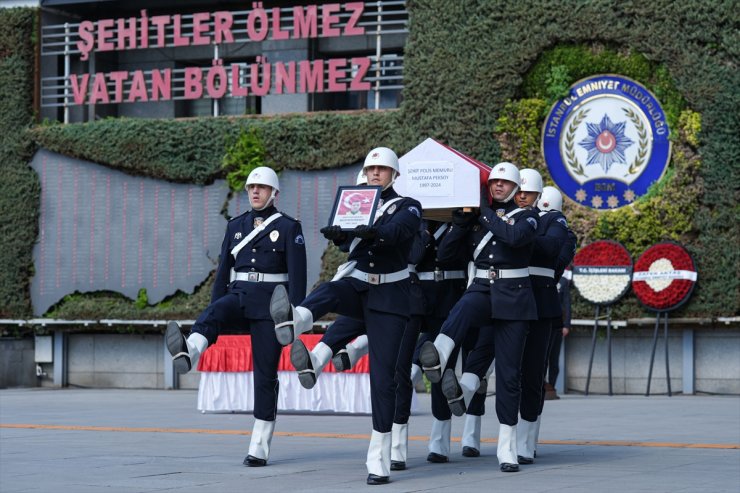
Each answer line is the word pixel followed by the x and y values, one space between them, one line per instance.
pixel 227 382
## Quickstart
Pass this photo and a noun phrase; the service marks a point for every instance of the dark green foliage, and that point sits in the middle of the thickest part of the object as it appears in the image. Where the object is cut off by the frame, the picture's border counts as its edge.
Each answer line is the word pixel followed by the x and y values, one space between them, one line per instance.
pixel 193 150
pixel 244 155
pixel 19 200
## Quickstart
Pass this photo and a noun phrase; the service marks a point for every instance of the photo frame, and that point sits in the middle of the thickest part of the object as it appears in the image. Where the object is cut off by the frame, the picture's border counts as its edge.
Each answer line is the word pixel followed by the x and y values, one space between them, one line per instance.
pixel 354 206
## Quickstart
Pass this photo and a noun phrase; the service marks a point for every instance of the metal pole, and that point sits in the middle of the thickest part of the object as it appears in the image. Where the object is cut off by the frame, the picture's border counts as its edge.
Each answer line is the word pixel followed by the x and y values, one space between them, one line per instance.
pixel 593 348
pixel 609 344
pixel 215 57
pixel 378 51
pixel 667 369
pixel 66 72
pixel 652 355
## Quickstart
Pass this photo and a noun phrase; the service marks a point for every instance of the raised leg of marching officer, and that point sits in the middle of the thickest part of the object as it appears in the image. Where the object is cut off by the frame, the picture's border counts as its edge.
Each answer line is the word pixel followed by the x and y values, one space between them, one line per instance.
pixel 499 244
pixel 372 286
pixel 262 250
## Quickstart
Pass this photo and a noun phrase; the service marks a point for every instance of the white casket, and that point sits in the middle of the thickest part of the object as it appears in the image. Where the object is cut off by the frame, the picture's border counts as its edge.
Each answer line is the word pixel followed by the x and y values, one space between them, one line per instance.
pixel 441 178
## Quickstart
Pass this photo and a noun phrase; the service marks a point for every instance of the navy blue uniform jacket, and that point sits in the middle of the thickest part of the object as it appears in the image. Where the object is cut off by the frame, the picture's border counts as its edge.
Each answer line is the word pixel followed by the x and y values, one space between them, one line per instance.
pixel 439 296
pixel 279 249
pixel 388 252
pixel 510 248
pixel 552 235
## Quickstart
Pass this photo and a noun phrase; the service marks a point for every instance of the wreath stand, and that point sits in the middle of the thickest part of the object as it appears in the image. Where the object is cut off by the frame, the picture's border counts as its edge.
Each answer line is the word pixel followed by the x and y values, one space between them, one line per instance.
pixel 608 318
pixel 664 315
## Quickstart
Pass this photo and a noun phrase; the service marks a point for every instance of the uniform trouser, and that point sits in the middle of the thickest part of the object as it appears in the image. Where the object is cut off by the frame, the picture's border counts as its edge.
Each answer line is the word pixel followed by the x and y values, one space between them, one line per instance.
pixel 342 332
pixel 503 339
pixel 534 363
pixel 225 315
pixel 404 385
pixel 384 334
pixel 553 358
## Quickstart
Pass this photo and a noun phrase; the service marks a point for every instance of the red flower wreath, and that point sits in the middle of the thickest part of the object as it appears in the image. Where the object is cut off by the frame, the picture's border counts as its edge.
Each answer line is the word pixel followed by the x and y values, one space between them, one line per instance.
pixel 602 271
pixel 664 276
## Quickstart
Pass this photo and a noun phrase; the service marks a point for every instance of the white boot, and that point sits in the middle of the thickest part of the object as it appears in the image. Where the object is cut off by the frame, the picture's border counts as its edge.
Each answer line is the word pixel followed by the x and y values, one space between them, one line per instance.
pixel 399 446
pixel 259 446
pixel 506 450
pixel 415 374
pixel 471 436
pixel 536 435
pixel 347 358
pixel 525 431
pixel 439 440
pixel 379 458
pixel 434 356
pixel 197 344
pixel 185 352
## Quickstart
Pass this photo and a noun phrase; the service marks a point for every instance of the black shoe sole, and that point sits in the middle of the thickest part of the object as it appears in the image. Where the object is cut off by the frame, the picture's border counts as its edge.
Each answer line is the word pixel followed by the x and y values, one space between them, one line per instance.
pixel 429 358
pixel 300 357
pixel 505 467
pixel 341 361
pixel 177 347
pixel 524 460
pixel 374 479
pixel 281 311
pixel 437 458
pixel 453 392
pixel 252 461
pixel 470 452
pixel 398 465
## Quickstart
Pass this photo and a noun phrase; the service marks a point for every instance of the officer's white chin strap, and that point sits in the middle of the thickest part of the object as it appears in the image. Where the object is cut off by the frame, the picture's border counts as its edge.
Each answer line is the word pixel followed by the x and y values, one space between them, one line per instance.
pixel 393 180
pixel 511 195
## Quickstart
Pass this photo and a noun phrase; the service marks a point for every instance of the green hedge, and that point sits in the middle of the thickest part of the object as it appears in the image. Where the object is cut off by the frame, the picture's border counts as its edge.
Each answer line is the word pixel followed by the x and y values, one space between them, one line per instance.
pixel 192 150
pixel 19 200
pixel 480 76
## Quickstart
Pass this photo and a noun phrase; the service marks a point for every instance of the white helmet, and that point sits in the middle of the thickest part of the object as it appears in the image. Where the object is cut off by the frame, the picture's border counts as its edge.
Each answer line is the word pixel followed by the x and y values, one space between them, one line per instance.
pixel 382 156
pixel 550 200
pixel 530 180
pixel 506 171
pixel 361 178
pixel 264 176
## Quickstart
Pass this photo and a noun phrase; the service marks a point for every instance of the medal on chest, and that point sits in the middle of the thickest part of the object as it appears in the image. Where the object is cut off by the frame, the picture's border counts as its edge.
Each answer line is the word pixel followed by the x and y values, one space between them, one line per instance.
pixel 274 235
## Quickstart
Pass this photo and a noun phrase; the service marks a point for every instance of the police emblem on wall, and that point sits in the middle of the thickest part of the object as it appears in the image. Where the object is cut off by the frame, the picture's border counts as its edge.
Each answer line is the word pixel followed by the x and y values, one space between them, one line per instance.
pixel 607 142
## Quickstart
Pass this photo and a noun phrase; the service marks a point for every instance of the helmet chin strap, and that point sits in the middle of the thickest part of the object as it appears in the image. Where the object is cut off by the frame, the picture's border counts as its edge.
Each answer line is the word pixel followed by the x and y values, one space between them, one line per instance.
pixel 269 202
pixel 511 195
pixel 393 180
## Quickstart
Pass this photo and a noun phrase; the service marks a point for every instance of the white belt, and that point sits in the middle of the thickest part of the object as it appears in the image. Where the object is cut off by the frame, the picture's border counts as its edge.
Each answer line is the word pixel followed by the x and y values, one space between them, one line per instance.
pixel 542 271
pixel 441 275
pixel 501 273
pixel 380 278
pixel 258 277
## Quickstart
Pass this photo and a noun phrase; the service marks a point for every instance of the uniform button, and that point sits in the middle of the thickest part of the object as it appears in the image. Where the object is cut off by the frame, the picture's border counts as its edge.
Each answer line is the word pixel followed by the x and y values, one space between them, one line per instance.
pixel 254 250
pixel 252 269
pixel 491 281
pixel 493 243
pixel 490 256
pixel 253 260
pixel 520 285
pixel 436 248
pixel 369 252
pixel 371 264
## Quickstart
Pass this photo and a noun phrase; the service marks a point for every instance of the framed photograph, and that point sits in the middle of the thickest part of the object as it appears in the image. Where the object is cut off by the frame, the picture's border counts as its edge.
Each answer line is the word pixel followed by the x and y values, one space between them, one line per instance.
pixel 354 206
